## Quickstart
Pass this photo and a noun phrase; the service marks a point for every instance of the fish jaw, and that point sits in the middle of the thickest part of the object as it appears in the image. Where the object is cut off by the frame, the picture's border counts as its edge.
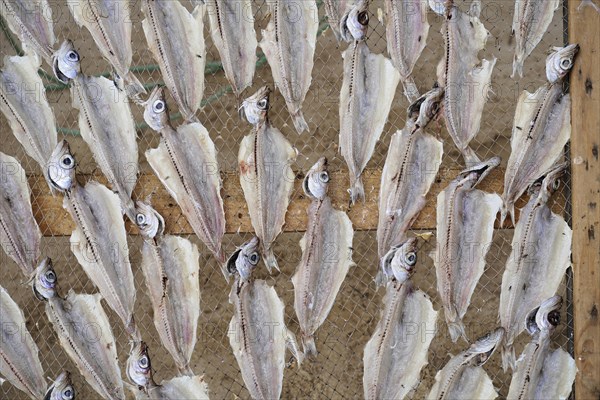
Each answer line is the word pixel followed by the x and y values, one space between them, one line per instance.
pixel 560 62
pixel 355 22
pixel 245 259
pixel 255 108
pixel 66 62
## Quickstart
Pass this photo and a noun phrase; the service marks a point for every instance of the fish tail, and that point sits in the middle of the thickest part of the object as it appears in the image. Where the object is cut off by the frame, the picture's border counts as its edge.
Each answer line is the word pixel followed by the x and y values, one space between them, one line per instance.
pixel 186 370
pixel 270 260
pixel 357 190
pixel 455 325
pixel 470 156
pixel 309 346
pixel 133 330
pixel 508 356
pixel 133 87
pixel 410 89
pixel 299 122
pixel 507 209
pixel 517 67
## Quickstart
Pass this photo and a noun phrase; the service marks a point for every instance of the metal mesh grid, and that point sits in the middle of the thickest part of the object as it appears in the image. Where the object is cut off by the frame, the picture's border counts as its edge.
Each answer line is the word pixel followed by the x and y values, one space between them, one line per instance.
pixel 337 373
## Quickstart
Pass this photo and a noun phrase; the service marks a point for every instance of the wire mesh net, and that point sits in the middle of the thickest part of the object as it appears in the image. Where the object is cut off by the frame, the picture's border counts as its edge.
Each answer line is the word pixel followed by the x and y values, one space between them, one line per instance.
pixel 337 372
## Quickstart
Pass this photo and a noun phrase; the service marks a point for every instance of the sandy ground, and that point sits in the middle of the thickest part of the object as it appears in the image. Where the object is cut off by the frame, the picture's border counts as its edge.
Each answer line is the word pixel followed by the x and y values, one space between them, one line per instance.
pixel 337 373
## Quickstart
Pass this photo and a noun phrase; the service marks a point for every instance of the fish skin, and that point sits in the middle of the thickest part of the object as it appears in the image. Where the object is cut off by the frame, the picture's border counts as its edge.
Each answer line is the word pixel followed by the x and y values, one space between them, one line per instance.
pixel 289 45
pixel 62 388
pixel 465 226
pixel 19 360
pixel 335 10
pixel 542 232
pixel 326 258
pixel 233 34
pixel 176 39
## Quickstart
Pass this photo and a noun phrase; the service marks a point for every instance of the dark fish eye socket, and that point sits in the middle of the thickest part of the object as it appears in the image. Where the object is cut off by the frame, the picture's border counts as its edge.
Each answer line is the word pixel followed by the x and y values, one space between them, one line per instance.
pixel 50 276
pixel 262 104
pixel 556 184
pixel 73 56
pixel 143 362
pixel 67 161
pixel 324 176
pixel 363 18
pixel 254 258
pixel 68 394
pixel 140 218
pixel 565 63
pixel 158 106
pixel 411 258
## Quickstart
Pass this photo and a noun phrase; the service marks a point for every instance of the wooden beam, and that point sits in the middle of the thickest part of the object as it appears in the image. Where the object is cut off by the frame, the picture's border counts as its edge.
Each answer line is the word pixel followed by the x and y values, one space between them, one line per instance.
pixel 584 28
pixel 54 220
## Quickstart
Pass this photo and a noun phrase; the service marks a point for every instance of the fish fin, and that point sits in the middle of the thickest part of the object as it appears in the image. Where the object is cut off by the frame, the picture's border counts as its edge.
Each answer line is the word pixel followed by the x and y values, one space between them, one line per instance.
pixel 309 346
pixel 357 190
pixel 270 260
pixel 508 357
pixel 299 122
pixel 292 345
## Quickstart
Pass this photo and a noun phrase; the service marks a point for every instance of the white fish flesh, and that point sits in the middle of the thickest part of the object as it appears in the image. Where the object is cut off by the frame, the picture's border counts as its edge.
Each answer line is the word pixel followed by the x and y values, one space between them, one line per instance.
pixel 326 257
pixel 266 176
pixel 61 388
pixel 540 256
pixel 233 34
pixel 289 44
pixel 185 161
pixel 20 234
pixel 335 10
pixel 465 225
pixel 176 39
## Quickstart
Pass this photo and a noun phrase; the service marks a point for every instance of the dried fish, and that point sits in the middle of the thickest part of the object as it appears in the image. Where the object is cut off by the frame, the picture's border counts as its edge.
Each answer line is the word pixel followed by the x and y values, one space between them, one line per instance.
pixel 463 376
pixel 411 166
pixel 531 20
pixel 171 269
pixel 20 234
pixel 335 10
pixel 540 372
pixel 465 225
pixel 19 360
pixel 233 34
pixel 366 97
pixel 185 161
pixel 397 351
pixel 542 127
pixel 289 44
pixel 94 351
pixel 61 389
pixel 326 257
pixel 266 176
pixel 176 39
pixel 99 240
pixel 257 331
pixel 109 23
pixel 540 256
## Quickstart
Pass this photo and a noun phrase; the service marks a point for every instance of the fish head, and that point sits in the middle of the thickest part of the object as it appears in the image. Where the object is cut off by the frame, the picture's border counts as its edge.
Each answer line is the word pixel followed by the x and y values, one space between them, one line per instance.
pixel 545 186
pixel 45 280
pixel 61 389
pixel 156 112
pixel 546 317
pixel 66 62
pixel 244 259
pixel 484 347
pixel 439 6
pixel 255 108
pixel 148 220
pixel 473 175
pixel 560 62
pixel 61 167
pixel 354 24
pixel 139 367
pixel 399 262
pixel 426 107
pixel 316 182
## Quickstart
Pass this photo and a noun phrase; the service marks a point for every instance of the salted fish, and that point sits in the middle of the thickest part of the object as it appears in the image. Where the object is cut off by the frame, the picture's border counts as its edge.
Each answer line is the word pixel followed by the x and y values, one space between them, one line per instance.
pixel 531 20
pixel 185 161
pixel 176 39
pixel 541 129
pixel 326 257
pixel 19 360
pixel 465 225
pixel 20 234
pixel 257 331
pixel 23 102
pixel 411 165
pixel 463 376
pixel 397 351
pixel 170 266
pixel 233 34
pixel 266 176
pixel 99 241
pixel 32 22
pixel 540 256
pixel 289 45
pixel 94 351
pixel 109 22
pixel 62 388
pixel 543 373
pixel 407 29
pixel 465 80
pixel 368 89
pixel 335 10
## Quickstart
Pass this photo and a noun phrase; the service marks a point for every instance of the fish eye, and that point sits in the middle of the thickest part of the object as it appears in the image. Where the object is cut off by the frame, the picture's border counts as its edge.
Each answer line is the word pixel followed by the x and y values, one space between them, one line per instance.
pixel 67 394
pixel 262 104
pixel 254 257
pixel 363 18
pixel 67 161
pixel 324 177
pixel 556 184
pixel 554 318
pixel 140 219
pixel 158 106
pixel 143 362
pixel 435 106
pixel 73 55
pixel 411 258
pixel 565 63
pixel 50 276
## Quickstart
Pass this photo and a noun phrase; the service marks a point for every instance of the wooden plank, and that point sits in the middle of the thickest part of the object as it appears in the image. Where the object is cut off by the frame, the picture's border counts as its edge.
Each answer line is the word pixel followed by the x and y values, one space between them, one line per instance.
pixel 54 220
pixel 584 28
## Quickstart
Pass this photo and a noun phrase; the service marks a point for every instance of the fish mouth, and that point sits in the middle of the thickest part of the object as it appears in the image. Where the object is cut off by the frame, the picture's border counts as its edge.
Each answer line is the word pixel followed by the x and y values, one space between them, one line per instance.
pixel 486 345
pixel 478 172
pixel 546 316
pixel 548 182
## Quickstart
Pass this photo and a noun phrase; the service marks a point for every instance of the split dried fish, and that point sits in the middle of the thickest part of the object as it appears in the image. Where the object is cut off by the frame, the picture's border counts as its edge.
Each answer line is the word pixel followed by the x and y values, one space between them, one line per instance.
pixel 463 376
pixel 266 176
pixel 542 127
pixel 20 234
pixel 257 331
pixel 61 388
pixel 109 22
pixel 465 80
pixel 171 269
pixel 411 165
pixel 289 44
pixel 176 39
pixel 531 20
pixel 96 356
pixel 233 34
pixel 326 257
pixel 368 89
pixel 542 373
pixel 99 241
pixel 397 351
pixel 540 256
pixel 185 161
pixel 335 10
pixel 465 225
